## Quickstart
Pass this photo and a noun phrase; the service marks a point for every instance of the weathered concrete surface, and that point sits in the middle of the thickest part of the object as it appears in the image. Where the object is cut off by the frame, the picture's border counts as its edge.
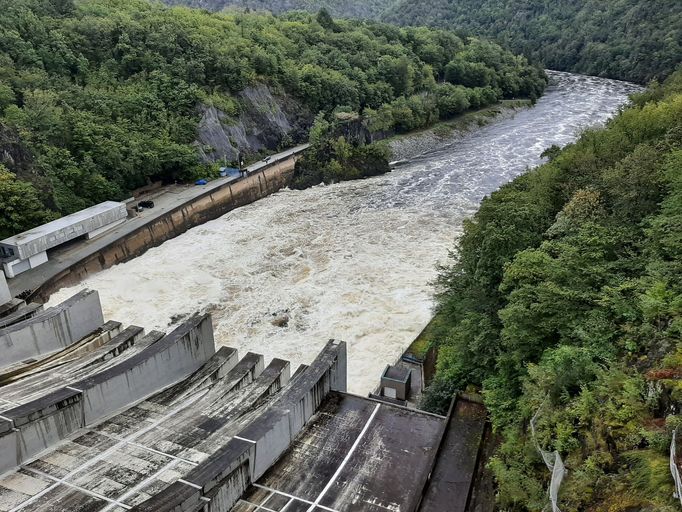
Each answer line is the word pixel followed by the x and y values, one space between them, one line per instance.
pixel 21 314
pixel 451 483
pixel 52 329
pixel 357 454
pixel 163 363
pixel 5 295
pixel 249 452
pixel 41 423
pixel 173 216
pixel 25 383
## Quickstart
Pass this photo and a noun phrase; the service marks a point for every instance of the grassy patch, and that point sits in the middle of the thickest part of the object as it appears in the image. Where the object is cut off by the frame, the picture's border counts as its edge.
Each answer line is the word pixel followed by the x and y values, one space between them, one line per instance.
pixel 433 332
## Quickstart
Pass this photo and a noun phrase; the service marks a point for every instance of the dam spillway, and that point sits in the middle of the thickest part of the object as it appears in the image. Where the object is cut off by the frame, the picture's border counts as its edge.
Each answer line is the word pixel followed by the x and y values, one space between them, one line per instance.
pixel 121 420
pixel 350 261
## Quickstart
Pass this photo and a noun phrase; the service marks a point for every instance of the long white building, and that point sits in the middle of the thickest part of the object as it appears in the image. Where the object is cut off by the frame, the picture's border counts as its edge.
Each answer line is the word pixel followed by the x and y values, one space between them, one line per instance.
pixel 27 250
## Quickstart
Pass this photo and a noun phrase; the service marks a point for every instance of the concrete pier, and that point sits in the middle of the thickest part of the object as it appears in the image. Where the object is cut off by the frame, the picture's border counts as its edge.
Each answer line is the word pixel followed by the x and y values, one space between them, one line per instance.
pixel 51 330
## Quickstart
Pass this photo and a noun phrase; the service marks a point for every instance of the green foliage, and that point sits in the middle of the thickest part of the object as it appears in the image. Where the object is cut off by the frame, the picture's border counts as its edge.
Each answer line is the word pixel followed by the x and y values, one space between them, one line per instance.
pixel 106 96
pixel 368 9
pixel 564 298
pixel 336 155
pixel 20 206
pixel 635 40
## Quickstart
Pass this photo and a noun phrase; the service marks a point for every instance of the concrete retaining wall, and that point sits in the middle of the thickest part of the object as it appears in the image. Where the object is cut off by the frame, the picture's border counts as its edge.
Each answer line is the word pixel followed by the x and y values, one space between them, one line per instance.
pixel 5 295
pixel 208 206
pixel 51 330
pixel 223 477
pixel 165 362
pixel 29 429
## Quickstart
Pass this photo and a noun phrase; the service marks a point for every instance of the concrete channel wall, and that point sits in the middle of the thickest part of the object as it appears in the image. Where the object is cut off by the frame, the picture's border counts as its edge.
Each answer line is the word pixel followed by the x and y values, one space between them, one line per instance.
pixel 212 204
pixel 216 484
pixel 53 329
pixel 31 428
pixel 5 295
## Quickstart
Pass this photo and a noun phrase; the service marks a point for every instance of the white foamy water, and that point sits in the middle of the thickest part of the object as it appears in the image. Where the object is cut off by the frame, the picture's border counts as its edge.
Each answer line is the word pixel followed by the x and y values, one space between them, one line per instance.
pixel 352 261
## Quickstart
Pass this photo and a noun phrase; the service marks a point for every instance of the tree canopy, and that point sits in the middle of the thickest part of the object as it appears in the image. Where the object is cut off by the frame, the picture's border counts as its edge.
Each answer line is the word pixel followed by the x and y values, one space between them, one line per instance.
pixel 565 297
pixel 635 40
pixel 99 97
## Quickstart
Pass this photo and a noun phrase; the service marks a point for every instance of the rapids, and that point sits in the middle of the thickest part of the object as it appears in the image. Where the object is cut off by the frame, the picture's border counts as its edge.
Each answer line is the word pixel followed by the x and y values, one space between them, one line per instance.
pixel 350 261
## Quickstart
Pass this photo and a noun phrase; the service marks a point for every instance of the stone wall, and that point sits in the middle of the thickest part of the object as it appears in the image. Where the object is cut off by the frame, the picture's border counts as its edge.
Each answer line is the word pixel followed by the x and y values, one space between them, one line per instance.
pixel 211 205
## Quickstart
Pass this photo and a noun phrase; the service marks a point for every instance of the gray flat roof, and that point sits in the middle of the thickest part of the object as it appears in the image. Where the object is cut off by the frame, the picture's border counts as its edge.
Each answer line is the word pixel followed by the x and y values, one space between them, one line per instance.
pixel 358 454
pixel 61 223
pixel 397 373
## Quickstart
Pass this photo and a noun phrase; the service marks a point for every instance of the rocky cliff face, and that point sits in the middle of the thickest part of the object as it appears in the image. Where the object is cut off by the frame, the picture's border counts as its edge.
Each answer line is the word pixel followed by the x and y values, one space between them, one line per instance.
pixel 267 122
pixel 13 153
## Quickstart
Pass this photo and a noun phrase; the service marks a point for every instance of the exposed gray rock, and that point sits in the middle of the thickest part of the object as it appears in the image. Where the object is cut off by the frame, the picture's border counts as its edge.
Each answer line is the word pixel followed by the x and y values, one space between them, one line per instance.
pixel 265 120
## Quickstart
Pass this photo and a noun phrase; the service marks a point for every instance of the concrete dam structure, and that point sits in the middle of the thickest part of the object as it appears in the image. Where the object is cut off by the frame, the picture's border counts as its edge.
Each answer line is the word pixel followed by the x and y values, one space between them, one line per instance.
pixel 97 416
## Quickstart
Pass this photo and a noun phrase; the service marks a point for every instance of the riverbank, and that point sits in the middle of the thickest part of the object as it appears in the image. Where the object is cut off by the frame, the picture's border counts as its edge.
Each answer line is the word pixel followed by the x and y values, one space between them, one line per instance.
pixel 178 209
pixel 413 144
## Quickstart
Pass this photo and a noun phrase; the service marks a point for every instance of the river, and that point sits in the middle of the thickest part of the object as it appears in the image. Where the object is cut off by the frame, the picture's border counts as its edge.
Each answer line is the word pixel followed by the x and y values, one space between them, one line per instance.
pixel 351 261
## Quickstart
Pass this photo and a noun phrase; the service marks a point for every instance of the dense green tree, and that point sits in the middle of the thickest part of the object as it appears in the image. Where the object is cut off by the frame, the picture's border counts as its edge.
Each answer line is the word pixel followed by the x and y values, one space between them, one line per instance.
pixel 635 40
pixel 106 96
pixel 20 206
pixel 564 300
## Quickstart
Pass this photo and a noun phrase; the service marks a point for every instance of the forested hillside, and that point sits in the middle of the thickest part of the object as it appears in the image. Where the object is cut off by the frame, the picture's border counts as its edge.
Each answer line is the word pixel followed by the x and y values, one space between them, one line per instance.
pixel 97 97
pixel 635 40
pixel 371 9
pixel 564 302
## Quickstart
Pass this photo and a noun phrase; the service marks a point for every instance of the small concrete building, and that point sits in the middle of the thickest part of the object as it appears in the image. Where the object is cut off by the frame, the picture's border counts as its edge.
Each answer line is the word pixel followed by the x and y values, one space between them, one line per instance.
pixel 29 249
pixel 5 295
pixel 396 382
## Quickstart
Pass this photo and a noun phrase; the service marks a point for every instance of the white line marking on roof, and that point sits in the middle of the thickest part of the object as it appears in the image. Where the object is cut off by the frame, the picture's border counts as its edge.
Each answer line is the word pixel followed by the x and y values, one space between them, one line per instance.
pixel 103 455
pixel 146 448
pixel 244 439
pixel 258 507
pixel 345 460
pixel 265 487
pixel 189 483
pixel 78 488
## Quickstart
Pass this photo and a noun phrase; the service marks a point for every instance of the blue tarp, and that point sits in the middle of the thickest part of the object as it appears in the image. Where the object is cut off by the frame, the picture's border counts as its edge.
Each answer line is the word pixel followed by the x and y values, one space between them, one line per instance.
pixel 201 182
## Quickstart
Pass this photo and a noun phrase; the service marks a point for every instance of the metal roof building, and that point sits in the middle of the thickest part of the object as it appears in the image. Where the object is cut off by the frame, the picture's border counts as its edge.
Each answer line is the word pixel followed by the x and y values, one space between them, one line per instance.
pixel 29 249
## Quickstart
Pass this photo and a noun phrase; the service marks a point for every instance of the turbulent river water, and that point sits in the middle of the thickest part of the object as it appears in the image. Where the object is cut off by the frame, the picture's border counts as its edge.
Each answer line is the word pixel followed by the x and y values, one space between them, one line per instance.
pixel 351 261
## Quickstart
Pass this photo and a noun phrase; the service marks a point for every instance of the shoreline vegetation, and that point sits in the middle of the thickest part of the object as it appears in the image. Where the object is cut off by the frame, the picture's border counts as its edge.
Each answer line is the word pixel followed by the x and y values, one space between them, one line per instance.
pixel 419 142
pixel 563 302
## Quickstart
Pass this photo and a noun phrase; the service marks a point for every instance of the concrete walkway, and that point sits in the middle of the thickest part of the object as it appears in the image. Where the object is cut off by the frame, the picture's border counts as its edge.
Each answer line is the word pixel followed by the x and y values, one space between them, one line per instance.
pixel 172 197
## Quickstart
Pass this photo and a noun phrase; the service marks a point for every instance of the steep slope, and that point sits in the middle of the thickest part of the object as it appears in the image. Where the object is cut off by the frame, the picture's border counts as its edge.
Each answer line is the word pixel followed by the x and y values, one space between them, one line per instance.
pixel 564 306
pixel 634 40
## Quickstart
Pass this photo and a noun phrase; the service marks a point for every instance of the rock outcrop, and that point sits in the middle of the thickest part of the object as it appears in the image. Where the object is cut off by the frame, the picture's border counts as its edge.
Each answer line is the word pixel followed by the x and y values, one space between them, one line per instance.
pixel 267 122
